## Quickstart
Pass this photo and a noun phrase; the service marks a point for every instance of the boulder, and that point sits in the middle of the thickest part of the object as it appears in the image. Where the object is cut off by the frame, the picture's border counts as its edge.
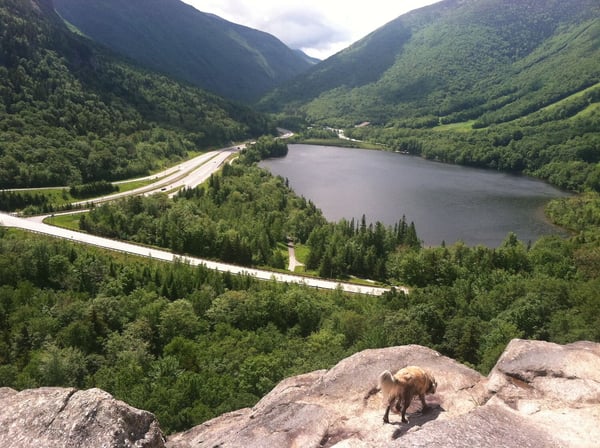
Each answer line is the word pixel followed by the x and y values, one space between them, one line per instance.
pixel 554 387
pixel 57 417
pixel 538 394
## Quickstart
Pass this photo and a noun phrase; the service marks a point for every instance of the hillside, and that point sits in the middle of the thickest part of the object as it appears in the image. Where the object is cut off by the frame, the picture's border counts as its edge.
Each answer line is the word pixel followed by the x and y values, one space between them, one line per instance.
pixel 230 60
pixel 491 60
pixel 72 112
pixel 498 84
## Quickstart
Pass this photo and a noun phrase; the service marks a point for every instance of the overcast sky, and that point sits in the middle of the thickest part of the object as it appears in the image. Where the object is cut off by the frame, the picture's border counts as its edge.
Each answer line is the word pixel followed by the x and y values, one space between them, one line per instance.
pixel 318 27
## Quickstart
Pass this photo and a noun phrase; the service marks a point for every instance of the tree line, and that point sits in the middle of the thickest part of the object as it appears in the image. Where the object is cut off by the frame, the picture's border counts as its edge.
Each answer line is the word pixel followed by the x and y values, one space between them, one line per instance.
pixel 346 248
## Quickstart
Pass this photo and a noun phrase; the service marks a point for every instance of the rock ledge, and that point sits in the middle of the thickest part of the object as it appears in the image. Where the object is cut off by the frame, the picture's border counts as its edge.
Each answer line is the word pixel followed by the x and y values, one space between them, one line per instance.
pixel 538 394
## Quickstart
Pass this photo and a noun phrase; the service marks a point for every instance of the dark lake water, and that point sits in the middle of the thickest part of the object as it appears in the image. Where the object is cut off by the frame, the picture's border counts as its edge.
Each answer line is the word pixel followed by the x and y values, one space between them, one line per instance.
pixel 446 202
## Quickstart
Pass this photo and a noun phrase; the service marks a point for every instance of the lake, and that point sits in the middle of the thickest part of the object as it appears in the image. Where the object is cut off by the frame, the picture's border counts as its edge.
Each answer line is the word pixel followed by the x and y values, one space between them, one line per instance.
pixel 447 203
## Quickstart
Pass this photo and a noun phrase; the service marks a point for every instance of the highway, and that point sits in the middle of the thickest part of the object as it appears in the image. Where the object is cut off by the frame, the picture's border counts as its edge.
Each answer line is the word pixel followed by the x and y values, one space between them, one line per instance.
pixel 144 251
pixel 188 174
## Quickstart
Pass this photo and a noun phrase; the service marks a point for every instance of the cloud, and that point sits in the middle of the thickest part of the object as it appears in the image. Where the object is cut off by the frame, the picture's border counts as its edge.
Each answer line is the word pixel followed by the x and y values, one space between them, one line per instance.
pixel 310 31
pixel 318 27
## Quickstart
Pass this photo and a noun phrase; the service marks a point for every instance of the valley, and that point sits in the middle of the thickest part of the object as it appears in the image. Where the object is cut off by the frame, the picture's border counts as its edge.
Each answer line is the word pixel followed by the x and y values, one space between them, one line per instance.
pixel 173 294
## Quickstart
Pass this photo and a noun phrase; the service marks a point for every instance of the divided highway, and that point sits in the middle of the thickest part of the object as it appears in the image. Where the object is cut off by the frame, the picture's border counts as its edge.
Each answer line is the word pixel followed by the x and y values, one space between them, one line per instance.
pixel 188 174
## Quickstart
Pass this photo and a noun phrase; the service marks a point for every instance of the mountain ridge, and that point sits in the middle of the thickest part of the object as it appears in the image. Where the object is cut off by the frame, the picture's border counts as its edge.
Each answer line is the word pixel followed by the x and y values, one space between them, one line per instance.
pixel 72 111
pixel 200 48
pixel 451 61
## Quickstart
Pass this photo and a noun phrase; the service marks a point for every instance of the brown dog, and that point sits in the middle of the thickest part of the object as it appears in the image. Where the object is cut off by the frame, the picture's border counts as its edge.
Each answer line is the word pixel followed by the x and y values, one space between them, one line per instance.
pixel 403 386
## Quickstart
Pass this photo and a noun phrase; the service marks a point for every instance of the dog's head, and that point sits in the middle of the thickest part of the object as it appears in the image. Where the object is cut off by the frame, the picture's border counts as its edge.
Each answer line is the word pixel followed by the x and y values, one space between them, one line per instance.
pixel 432 384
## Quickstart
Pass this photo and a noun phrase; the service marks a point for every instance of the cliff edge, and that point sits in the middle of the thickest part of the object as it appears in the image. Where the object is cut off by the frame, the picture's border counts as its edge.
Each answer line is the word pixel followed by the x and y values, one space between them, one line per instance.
pixel 538 394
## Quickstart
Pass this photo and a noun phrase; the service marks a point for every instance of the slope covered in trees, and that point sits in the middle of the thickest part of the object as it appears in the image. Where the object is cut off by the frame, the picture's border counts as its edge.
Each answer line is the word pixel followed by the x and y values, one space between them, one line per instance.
pixel 500 84
pixel 70 112
pixel 171 37
pixel 455 60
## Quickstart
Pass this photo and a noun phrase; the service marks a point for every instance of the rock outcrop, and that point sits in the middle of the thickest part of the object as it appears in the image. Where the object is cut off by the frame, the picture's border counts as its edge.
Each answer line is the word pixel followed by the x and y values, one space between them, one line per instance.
pixel 538 395
pixel 52 417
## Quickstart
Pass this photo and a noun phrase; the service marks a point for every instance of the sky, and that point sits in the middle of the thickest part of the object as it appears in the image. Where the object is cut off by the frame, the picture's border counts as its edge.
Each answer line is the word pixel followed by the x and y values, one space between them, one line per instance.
pixel 320 28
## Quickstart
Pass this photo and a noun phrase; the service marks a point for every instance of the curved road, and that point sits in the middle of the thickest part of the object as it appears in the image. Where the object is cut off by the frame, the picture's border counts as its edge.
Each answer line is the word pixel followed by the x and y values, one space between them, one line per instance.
pixel 39 227
pixel 187 174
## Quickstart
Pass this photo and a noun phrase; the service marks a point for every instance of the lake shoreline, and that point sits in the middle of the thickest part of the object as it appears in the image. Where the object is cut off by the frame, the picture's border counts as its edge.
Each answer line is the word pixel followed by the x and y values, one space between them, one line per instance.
pixel 447 202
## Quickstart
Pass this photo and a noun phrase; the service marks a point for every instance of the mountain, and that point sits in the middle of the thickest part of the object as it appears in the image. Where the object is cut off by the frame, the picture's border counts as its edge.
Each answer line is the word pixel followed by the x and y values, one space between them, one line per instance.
pixel 71 111
pixel 170 36
pixel 491 60
pixel 500 84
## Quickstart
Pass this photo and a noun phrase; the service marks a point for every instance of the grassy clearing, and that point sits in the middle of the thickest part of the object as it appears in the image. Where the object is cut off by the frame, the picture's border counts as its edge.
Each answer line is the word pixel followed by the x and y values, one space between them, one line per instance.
pixel 69 221
pixel 56 196
pixel 302 252
pixel 467 126
pixel 464 126
pixel 566 100
pixel 338 142
pixel 592 109
pixel 128 186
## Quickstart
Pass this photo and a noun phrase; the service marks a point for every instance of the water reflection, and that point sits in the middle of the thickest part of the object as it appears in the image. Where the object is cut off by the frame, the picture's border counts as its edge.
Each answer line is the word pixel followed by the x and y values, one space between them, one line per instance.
pixel 446 202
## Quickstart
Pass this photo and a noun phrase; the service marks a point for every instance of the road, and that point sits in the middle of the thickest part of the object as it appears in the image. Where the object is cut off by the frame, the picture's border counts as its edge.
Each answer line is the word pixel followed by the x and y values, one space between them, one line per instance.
pixel 188 174
pixel 293 262
pixel 144 251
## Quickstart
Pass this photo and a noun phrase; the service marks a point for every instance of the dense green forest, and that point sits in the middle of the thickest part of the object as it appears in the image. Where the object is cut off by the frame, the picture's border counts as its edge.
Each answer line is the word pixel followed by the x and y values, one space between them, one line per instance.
pixel 175 38
pixel 72 113
pixel 560 143
pixel 189 343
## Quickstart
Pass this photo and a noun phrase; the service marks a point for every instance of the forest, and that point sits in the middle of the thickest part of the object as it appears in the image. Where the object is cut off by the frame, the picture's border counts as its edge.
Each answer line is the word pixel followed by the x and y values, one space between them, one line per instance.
pixel 71 113
pixel 188 343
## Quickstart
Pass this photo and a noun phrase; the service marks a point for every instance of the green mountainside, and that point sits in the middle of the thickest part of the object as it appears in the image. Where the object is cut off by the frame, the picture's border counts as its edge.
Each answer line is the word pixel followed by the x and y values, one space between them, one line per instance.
pixel 500 84
pixel 169 36
pixel 491 60
pixel 70 112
